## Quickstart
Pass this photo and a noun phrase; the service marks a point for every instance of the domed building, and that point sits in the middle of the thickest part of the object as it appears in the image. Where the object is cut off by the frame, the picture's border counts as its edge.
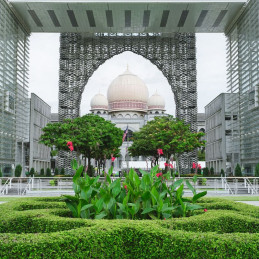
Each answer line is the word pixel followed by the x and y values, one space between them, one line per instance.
pixel 129 106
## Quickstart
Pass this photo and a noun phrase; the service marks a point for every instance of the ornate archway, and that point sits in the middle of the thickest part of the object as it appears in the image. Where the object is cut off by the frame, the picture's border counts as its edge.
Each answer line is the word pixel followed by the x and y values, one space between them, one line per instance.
pixel 174 55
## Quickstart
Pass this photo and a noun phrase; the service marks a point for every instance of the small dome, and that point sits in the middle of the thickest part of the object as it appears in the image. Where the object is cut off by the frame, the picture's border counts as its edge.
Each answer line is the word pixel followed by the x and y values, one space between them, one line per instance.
pixel 156 102
pixel 99 102
pixel 127 92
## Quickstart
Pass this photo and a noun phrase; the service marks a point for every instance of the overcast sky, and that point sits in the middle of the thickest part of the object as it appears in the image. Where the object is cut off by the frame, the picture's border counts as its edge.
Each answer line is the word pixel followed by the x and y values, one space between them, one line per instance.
pixel 44 66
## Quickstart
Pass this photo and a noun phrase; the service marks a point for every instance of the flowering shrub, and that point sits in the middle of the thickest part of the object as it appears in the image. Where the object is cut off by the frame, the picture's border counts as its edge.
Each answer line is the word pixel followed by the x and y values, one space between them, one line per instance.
pixel 147 198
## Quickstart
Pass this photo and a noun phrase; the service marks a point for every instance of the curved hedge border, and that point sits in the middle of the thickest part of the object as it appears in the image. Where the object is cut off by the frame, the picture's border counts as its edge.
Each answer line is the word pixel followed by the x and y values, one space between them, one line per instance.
pixel 42 228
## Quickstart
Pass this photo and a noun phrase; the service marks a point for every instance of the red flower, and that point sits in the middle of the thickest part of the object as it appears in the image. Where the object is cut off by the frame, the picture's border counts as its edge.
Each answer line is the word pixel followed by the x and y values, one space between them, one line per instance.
pixel 164 218
pixel 199 166
pixel 113 158
pixel 70 145
pixel 193 165
pixel 159 174
pixel 160 151
pixel 125 187
pixel 205 210
pixel 169 165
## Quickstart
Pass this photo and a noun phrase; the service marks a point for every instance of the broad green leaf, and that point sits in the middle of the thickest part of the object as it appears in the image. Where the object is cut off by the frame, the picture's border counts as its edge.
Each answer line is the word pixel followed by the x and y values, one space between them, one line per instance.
pixel 116 190
pixel 100 216
pixel 160 205
pixel 126 199
pixel 166 215
pixel 69 197
pixel 108 179
pixel 73 207
pixel 190 187
pixel 194 179
pixel 198 196
pixel 74 164
pixel 190 206
pixel 146 195
pixel 85 207
pixel 78 173
pixel 179 192
pixel 136 179
pixel 176 184
pixel 99 205
pixel 110 171
pixel 168 209
pixel 152 216
pixel 147 210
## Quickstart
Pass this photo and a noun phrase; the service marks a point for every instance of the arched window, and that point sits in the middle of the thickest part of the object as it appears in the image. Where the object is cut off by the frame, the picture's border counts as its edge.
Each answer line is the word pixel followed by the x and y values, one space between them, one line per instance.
pixel 120 116
pixel 156 112
pixel 127 116
pixel 98 112
pixel 202 130
pixel 135 116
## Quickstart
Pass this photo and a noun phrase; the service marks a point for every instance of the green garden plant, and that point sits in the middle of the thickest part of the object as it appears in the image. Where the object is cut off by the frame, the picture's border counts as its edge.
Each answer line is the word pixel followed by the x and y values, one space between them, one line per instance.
pixel 206 171
pixel 42 172
pixel 203 181
pixel 48 172
pixel 238 172
pixel 1 174
pixel 31 172
pixel 257 170
pixel 18 171
pixel 134 198
pixel 56 171
pixel 62 171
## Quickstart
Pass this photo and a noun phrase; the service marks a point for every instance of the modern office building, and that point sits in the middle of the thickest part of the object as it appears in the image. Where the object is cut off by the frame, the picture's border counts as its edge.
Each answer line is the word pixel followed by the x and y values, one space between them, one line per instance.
pixel 14 110
pixel 40 115
pixel 221 130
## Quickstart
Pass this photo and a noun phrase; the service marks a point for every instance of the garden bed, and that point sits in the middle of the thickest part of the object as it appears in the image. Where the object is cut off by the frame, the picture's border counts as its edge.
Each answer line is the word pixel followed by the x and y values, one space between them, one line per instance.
pixel 43 228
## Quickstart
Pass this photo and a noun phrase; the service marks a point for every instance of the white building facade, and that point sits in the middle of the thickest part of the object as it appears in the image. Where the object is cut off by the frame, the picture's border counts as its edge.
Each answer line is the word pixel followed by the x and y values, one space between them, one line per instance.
pixel 128 106
pixel 222 136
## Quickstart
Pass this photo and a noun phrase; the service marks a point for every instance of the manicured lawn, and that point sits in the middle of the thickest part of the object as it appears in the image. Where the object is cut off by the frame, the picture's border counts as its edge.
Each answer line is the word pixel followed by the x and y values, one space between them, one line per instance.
pixel 43 228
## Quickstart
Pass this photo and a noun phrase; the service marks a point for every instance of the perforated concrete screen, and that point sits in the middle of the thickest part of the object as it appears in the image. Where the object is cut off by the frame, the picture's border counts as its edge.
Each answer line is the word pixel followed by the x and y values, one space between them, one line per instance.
pixel 127 16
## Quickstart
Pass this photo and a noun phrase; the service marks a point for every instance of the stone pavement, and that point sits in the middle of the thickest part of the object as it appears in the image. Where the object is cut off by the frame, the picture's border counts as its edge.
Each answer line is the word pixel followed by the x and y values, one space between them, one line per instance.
pixel 255 203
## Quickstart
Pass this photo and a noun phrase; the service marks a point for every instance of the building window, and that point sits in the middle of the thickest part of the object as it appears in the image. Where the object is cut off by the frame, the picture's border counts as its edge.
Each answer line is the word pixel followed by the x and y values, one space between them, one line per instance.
pixel 227 117
pixel 228 132
pixel 234 117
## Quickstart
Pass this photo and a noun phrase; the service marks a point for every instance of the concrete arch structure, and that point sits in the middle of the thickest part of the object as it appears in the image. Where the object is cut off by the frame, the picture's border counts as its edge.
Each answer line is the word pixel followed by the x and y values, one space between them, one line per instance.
pixel 174 55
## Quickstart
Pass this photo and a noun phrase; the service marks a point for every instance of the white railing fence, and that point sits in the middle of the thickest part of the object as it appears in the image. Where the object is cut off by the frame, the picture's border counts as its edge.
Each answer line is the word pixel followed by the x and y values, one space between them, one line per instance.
pixel 58 185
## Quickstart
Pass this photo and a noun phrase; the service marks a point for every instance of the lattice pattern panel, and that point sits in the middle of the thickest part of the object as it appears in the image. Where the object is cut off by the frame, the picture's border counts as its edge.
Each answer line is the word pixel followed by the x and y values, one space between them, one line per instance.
pixel 174 55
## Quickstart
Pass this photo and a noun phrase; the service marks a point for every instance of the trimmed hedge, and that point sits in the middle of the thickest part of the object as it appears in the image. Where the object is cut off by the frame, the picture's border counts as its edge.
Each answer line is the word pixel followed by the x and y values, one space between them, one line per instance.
pixel 43 228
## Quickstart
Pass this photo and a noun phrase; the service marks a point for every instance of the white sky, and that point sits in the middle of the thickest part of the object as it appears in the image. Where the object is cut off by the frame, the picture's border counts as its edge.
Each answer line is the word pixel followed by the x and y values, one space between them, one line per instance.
pixel 44 66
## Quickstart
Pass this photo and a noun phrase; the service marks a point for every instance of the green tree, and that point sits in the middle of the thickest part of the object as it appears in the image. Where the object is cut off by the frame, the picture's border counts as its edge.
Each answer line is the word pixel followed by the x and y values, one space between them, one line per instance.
pixel 201 154
pixel 257 170
pixel 62 171
pixel 92 136
pixel 48 172
pixel 18 171
pixel 42 172
pixel 206 171
pixel 238 172
pixel 167 133
pixel 32 172
pixel 56 171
